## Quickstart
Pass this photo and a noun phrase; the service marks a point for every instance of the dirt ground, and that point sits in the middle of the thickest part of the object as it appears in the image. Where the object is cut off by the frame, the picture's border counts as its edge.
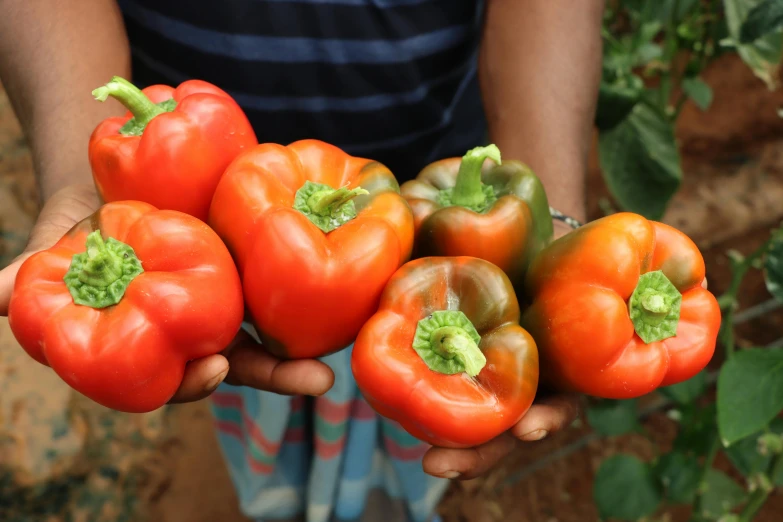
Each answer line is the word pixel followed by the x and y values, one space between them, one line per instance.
pixel 64 458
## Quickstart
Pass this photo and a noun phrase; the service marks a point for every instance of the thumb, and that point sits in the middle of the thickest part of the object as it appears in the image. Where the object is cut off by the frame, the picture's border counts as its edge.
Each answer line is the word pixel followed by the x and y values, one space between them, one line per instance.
pixel 64 209
pixel 7 278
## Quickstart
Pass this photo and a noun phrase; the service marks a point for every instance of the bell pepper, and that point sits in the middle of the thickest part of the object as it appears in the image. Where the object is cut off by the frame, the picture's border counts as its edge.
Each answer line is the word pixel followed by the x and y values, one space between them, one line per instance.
pixel 444 356
pixel 618 308
pixel 468 207
pixel 170 148
pixel 316 235
pixel 124 300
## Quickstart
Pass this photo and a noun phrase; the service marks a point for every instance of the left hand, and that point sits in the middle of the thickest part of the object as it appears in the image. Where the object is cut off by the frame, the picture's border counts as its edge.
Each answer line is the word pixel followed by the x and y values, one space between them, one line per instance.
pixel 548 414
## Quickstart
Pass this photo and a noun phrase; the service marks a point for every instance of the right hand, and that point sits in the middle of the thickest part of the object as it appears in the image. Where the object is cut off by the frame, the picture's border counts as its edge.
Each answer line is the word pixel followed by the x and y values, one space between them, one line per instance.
pixel 243 363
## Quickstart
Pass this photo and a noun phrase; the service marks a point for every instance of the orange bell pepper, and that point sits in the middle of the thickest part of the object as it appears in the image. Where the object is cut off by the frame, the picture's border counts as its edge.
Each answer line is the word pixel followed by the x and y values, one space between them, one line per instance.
pixel 124 300
pixel 469 207
pixel 618 308
pixel 316 235
pixel 445 356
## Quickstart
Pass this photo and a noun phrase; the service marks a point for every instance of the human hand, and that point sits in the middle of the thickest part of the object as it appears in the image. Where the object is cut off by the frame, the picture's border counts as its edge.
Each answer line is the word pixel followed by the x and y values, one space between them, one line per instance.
pixel 549 414
pixel 243 362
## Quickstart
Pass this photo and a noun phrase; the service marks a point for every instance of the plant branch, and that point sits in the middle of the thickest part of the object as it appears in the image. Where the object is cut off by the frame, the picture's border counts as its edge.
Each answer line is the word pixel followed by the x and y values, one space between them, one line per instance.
pixel 728 300
pixel 700 57
pixel 760 495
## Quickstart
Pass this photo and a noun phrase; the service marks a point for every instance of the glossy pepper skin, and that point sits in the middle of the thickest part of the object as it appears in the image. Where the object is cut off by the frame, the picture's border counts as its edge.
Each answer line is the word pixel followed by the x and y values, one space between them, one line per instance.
pixel 618 308
pixel 171 147
pixel 445 356
pixel 469 207
pixel 155 289
pixel 316 235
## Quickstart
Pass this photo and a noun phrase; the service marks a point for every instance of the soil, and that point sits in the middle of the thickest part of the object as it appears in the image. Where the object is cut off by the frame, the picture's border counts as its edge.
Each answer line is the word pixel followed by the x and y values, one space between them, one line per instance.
pixel 63 458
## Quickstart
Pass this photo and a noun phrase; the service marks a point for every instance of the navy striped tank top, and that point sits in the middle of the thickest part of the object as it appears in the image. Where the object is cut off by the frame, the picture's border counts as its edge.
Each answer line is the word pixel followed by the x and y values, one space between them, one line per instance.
pixel 390 80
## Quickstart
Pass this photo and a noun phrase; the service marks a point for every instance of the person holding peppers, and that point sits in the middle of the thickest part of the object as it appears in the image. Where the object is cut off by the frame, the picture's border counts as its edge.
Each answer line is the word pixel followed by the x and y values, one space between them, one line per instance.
pixel 404 82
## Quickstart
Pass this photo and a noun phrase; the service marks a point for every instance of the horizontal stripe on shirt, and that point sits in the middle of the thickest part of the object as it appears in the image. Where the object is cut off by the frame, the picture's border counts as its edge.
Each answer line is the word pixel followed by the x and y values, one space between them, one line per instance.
pixel 274 49
pixel 302 79
pixel 321 103
pixel 367 97
pixel 366 129
pixel 368 21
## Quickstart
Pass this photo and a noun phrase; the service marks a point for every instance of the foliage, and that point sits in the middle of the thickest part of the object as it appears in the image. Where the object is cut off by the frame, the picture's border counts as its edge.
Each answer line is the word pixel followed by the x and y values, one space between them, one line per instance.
pixel 654 56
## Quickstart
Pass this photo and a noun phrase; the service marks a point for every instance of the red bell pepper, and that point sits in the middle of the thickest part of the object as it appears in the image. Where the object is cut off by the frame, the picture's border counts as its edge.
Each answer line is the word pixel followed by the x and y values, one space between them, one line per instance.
pixel 618 308
pixel 469 207
pixel 172 146
pixel 124 300
pixel 316 235
pixel 445 356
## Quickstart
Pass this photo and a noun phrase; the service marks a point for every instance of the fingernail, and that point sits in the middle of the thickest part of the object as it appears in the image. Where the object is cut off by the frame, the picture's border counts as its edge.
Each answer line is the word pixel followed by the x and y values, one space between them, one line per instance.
pixel 534 435
pixel 215 381
pixel 450 474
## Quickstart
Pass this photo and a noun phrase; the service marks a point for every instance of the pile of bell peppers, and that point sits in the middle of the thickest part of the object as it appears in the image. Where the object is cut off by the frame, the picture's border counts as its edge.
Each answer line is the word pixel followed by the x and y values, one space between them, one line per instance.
pixel 450 288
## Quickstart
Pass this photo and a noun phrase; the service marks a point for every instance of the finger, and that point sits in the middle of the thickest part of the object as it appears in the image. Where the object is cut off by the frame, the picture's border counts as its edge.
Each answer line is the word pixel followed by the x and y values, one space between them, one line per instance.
pixel 467 463
pixel 7 278
pixel 548 415
pixel 251 365
pixel 202 377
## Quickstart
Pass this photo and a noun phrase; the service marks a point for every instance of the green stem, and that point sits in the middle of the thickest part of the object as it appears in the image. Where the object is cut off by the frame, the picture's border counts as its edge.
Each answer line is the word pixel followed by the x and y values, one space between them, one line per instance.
pixel 700 58
pixel 760 495
pixel 131 97
pixel 728 300
pixel 654 307
pixel 325 207
pixel 326 202
pixel 468 190
pixel 448 343
pixel 99 276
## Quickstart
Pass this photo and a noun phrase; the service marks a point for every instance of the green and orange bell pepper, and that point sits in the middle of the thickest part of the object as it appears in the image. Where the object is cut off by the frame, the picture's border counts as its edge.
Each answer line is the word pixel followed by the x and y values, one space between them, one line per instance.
pixel 124 300
pixel 469 207
pixel 172 146
pixel 618 308
pixel 445 356
pixel 316 235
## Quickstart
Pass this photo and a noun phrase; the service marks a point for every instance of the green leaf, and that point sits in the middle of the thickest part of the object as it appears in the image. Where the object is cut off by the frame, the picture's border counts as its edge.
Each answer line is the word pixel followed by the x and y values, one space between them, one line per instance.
pixel 680 475
pixel 610 417
pixel 750 393
pixel 615 102
pixel 698 91
pixel 746 457
pixel 721 495
pixel 686 391
pixel 646 53
pixel 640 162
pixel 764 18
pixel 773 265
pixel 764 54
pixel 625 488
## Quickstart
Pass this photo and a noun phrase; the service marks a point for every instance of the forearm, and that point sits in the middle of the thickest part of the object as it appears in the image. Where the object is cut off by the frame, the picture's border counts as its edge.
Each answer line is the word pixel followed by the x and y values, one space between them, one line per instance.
pixel 52 55
pixel 539 68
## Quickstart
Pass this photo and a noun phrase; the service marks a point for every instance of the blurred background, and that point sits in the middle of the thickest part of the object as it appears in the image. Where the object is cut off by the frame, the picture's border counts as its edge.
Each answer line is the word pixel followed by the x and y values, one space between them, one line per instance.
pixel 689 131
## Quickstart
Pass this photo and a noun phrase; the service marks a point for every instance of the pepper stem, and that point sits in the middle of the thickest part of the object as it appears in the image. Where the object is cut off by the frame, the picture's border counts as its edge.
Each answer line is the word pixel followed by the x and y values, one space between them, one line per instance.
pixel 654 307
pixel 468 189
pixel 448 343
pixel 130 96
pixel 99 276
pixel 326 207
pixel 326 202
